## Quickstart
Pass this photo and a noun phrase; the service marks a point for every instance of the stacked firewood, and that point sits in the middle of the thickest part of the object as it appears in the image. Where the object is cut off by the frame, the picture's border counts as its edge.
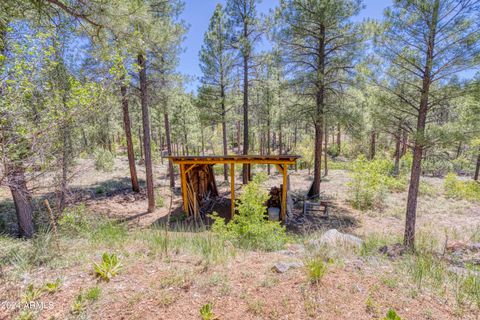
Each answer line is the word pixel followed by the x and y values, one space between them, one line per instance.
pixel 275 197
pixel 201 188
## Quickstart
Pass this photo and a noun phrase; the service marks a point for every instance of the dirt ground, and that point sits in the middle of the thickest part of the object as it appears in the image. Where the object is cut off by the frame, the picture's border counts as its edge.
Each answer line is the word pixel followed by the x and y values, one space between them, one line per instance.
pixel 244 286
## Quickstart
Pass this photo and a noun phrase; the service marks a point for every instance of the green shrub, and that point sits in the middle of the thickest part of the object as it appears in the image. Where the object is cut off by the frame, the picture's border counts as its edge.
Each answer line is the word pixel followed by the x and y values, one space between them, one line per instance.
pixel 455 188
pixel 436 167
pixel 104 160
pixel 52 287
pixel 74 220
pixel 108 268
pixel 370 182
pixel 249 228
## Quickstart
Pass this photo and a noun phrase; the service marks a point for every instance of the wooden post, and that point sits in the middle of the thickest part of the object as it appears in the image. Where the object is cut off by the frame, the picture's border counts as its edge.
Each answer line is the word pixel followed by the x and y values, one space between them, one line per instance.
pixel 184 188
pixel 232 189
pixel 284 193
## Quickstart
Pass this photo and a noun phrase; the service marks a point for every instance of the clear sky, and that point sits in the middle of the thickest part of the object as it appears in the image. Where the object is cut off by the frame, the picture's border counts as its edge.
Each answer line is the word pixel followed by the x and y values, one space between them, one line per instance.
pixel 197 13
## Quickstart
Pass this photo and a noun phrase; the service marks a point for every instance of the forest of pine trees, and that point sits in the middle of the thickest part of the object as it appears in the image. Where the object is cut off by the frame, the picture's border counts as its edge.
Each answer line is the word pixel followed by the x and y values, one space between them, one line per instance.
pixel 99 79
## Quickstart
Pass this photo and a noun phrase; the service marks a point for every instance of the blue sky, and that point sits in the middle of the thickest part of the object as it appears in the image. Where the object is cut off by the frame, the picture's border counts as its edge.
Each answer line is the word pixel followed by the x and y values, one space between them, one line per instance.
pixel 197 13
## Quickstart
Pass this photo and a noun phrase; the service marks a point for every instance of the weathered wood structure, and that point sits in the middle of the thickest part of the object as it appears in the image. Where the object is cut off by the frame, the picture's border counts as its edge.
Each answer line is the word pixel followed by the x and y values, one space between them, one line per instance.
pixel 198 179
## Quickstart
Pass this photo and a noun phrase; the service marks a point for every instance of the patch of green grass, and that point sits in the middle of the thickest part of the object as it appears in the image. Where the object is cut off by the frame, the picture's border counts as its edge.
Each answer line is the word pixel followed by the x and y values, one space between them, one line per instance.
pixel 93 294
pixel 316 269
pixel 31 294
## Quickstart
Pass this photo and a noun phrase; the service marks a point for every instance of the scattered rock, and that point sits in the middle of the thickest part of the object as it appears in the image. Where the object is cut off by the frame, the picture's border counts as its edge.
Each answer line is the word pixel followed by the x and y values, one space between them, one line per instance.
pixel 393 251
pixel 282 267
pixel 334 238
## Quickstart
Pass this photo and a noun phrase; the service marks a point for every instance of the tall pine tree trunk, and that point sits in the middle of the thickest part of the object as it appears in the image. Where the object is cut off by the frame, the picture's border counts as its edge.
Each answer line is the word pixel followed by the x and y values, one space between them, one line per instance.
pixel 246 169
pixel 373 144
pixel 339 139
pixel 396 165
pixel 318 123
pixel 409 239
pixel 224 132
pixel 128 137
pixel 477 168
pixel 169 149
pixel 146 132
pixel 325 169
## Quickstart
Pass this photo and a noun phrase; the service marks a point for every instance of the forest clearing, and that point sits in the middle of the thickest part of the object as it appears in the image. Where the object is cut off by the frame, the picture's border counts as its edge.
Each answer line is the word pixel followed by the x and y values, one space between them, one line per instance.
pixel 240 159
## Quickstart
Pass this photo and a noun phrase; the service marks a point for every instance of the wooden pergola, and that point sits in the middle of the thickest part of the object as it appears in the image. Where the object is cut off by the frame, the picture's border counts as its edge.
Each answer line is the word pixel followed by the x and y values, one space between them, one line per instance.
pixel 198 179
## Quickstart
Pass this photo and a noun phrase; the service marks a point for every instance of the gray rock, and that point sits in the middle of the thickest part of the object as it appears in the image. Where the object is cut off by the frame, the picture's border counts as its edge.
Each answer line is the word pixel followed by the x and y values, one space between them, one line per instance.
pixel 335 238
pixel 282 267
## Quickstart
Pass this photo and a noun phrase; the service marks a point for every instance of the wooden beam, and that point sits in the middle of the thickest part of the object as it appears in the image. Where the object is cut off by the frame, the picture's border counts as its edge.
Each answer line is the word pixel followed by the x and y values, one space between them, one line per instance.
pixel 227 161
pixel 232 189
pixel 284 193
pixel 190 168
pixel 183 178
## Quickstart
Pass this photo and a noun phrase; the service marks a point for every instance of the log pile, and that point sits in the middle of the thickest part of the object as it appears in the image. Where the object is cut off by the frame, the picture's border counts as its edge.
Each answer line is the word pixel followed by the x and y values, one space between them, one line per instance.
pixel 201 188
pixel 275 199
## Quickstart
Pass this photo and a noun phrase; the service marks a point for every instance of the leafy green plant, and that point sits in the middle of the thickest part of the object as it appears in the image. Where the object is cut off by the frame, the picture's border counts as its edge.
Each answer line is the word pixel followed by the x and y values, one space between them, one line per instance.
pixel 104 160
pixel 78 305
pixel 108 268
pixel 52 287
pixel 316 269
pixel 31 293
pixel 249 228
pixel 206 312
pixel 392 315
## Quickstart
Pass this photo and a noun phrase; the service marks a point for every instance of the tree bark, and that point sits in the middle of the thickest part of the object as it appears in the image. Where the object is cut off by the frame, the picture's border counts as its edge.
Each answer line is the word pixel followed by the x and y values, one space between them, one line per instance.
pixel 396 165
pixel 477 168
pixel 339 139
pixel 246 169
pixel 373 144
pixel 325 169
pixel 22 200
pixel 224 131
pixel 146 132
pixel 169 149
pixel 128 137
pixel 419 143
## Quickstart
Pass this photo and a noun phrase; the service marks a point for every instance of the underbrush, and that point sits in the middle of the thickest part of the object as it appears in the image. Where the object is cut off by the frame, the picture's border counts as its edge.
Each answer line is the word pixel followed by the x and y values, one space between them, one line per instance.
pixel 371 180
pixel 249 229
pixel 426 269
pixel 104 160
pixel 458 189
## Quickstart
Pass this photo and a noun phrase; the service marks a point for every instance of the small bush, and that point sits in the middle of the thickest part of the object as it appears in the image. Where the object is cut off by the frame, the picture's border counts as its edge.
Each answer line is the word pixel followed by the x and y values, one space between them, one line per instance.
pixel 316 269
pixel 249 228
pixel 370 182
pixel 104 160
pixel 31 294
pixel 436 167
pixel 108 268
pixel 455 188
